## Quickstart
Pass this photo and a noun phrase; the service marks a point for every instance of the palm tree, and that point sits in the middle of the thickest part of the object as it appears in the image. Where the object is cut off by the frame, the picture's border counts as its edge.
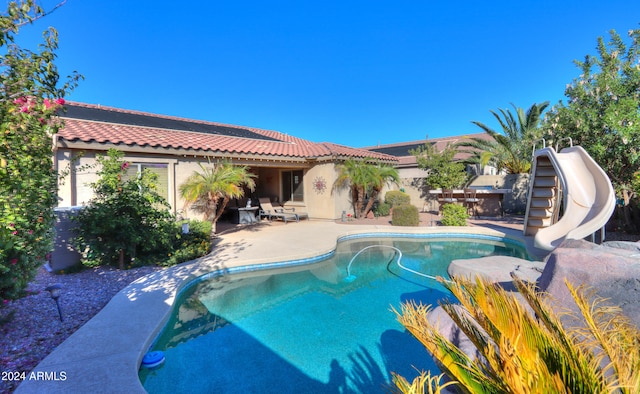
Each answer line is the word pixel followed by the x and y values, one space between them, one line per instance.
pixel 379 175
pixel 222 181
pixel 353 173
pixel 511 149
pixel 362 176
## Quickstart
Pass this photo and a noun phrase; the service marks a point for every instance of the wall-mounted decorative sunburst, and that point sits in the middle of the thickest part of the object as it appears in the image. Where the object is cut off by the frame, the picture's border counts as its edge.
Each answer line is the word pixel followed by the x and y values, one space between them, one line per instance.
pixel 319 185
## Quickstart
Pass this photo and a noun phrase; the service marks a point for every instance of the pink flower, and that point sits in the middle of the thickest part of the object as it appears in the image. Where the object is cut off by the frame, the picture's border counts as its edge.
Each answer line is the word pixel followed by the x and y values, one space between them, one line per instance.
pixel 47 103
pixel 15 232
pixel 20 100
pixel 13 261
pixel 124 165
pixel 25 108
pixel 60 101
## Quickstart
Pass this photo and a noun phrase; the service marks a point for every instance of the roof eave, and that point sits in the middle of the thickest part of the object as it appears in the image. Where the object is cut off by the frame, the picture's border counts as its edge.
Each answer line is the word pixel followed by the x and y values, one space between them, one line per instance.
pixel 104 146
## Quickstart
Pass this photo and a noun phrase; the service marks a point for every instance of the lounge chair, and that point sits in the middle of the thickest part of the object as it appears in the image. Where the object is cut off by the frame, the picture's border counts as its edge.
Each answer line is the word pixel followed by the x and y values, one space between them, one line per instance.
pixel 297 208
pixel 269 211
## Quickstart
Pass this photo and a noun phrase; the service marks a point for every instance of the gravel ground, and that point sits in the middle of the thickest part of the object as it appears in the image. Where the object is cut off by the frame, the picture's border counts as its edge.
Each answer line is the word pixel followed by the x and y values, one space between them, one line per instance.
pixel 31 328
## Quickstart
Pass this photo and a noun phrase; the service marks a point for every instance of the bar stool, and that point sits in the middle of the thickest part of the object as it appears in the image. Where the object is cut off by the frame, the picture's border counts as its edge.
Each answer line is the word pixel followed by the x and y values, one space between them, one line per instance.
pixel 447 198
pixel 470 201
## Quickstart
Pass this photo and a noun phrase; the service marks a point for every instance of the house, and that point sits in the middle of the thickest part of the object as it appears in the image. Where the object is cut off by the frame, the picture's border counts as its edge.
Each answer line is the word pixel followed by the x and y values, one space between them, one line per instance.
pixel 411 175
pixel 289 169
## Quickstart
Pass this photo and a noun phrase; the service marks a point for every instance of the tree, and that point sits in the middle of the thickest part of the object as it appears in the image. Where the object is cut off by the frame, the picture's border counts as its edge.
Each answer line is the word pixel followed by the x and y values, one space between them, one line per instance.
pixel 443 171
pixel 126 219
pixel 379 176
pixel 30 95
pixel 512 149
pixel 362 177
pixel 212 188
pixel 602 112
pixel 351 173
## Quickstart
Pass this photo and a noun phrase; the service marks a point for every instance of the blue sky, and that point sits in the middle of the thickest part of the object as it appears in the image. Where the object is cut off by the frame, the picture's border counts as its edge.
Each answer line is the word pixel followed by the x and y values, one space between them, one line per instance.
pixel 357 73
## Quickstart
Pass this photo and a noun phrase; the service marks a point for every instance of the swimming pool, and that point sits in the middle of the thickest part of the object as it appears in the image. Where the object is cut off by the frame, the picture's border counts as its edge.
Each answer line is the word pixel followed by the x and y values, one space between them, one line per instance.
pixel 304 327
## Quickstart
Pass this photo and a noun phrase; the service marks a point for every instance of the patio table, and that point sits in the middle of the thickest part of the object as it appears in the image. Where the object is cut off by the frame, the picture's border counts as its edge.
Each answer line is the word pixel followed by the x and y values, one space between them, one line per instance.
pixel 491 200
pixel 244 215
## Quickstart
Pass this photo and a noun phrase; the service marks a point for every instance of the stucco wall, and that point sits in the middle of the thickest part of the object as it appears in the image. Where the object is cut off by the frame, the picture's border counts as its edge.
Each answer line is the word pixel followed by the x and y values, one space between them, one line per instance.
pixel 74 187
pixel 268 183
pixel 322 202
pixel 328 202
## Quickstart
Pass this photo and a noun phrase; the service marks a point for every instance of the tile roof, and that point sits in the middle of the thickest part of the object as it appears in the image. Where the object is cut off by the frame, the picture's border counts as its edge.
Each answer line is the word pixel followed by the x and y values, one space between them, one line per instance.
pixel 93 123
pixel 401 149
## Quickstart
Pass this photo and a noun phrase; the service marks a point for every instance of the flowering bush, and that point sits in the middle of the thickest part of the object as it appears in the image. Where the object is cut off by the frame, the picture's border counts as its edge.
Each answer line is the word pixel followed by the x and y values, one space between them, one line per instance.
pixel 29 192
pixel 29 99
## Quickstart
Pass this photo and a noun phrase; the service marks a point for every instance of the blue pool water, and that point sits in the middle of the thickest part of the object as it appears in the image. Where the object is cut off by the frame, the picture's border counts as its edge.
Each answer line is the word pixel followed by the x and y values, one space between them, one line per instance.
pixel 305 328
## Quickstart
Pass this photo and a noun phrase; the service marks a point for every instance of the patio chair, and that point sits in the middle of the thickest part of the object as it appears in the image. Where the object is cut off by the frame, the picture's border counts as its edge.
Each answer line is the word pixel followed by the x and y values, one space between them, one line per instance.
pixel 447 198
pixel 299 209
pixel 269 211
pixel 470 201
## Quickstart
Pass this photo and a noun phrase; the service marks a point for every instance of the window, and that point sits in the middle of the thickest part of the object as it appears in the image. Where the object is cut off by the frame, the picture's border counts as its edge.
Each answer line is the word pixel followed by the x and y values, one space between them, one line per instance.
pixel 292 186
pixel 159 169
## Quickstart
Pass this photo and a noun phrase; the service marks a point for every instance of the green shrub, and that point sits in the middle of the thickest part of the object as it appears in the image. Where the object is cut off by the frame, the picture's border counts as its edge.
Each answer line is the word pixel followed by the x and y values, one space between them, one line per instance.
pixel 405 215
pixel 454 215
pixel 196 243
pixel 127 221
pixel 396 198
pixel 382 209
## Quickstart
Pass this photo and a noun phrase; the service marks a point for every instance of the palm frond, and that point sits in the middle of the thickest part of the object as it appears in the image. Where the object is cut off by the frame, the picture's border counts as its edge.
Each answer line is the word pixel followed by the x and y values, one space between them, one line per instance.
pixel 614 337
pixel 526 348
pixel 514 142
pixel 424 383
pixel 451 359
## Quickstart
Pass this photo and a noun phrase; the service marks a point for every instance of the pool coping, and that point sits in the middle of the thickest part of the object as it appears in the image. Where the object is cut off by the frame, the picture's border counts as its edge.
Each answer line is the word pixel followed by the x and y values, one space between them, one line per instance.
pixel 105 353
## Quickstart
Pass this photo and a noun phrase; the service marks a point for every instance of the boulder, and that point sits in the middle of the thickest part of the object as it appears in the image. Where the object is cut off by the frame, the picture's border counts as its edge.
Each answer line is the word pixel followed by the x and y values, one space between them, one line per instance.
pixel 497 269
pixel 611 272
pixel 627 245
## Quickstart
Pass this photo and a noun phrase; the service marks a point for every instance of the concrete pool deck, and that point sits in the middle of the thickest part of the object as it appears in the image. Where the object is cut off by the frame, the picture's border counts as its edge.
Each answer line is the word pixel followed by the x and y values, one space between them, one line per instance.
pixel 103 356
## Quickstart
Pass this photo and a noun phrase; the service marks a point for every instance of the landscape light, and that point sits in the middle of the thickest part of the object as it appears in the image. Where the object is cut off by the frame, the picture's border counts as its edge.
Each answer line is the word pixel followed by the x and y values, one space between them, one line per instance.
pixel 54 290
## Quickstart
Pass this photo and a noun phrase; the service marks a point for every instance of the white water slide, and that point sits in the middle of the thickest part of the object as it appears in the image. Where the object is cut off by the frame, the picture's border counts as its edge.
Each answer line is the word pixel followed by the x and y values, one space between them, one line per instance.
pixel 573 177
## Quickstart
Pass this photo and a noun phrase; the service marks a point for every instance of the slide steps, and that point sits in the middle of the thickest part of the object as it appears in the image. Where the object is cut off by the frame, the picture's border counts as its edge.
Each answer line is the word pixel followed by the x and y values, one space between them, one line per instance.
pixel 544 195
pixel 571 178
